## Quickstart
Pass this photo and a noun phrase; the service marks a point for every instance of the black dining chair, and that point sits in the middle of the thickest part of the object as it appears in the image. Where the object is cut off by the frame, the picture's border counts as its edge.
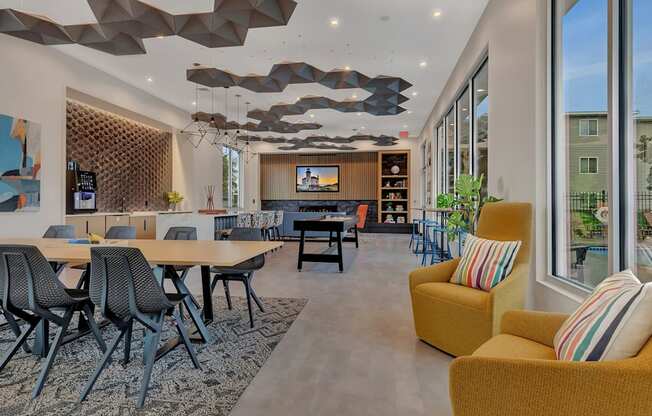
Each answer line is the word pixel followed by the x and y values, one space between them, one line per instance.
pixel 31 291
pixel 125 290
pixel 243 272
pixel 121 232
pixel 60 231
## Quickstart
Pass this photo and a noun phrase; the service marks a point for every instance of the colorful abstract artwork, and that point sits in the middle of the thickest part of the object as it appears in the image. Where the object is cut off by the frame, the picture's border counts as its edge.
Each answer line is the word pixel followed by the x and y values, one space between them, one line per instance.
pixel 20 165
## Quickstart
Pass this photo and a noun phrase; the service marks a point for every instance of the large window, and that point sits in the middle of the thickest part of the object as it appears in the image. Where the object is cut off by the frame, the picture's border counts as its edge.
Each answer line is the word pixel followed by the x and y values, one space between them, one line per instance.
pixel 581 91
pixel 440 173
pixel 480 89
pixel 464 132
pixel 462 135
pixel 602 133
pixel 230 177
pixel 450 150
pixel 638 58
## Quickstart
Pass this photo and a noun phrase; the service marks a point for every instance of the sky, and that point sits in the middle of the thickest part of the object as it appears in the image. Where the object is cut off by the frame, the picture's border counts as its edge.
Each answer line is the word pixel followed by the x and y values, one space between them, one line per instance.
pixel 585 38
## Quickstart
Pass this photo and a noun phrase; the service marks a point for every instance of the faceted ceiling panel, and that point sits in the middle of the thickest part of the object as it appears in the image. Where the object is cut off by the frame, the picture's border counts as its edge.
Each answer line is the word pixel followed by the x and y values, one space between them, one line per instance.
pixel 123 24
pixel 322 142
pixel 385 98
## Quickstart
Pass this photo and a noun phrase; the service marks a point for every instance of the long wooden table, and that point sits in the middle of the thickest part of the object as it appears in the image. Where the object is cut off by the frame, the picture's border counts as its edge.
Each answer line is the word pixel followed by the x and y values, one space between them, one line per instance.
pixel 167 253
pixel 337 225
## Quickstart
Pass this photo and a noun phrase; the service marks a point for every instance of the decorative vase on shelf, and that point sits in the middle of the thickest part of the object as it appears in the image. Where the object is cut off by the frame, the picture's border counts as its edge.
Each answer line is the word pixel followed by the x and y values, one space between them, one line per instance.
pixel 395 170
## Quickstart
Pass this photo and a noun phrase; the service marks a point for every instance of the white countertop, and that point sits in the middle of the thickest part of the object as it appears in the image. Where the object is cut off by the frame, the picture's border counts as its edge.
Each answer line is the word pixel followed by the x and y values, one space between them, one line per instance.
pixel 132 214
pixel 147 214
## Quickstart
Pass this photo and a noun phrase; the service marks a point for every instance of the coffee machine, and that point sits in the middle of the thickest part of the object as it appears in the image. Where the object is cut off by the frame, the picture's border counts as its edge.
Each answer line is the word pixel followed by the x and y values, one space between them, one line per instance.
pixel 81 189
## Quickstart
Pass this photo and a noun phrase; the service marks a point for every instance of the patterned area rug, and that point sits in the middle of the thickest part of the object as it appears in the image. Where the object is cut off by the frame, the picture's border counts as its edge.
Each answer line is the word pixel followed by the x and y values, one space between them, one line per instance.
pixel 229 364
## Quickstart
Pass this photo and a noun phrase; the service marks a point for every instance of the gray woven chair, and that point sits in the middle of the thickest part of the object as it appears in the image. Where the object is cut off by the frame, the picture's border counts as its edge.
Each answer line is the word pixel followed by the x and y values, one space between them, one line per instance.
pixel 180 234
pixel 121 232
pixel 125 290
pixel 60 231
pixel 30 290
pixel 243 272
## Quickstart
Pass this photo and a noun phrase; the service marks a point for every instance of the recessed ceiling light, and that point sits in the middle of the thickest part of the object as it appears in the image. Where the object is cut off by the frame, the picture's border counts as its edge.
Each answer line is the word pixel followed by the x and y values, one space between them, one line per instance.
pixel 194 103
pixel 415 93
pixel 423 64
pixel 149 79
pixel 362 128
pixel 312 116
pixel 359 114
pixel 436 13
pixel 298 99
pixel 335 22
pixel 347 68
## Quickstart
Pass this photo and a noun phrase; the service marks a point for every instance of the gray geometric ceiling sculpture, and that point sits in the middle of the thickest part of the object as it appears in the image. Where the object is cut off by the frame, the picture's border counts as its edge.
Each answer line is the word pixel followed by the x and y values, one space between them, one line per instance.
pixel 218 121
pixel 385 98
pixel 123 24
pixel 322 142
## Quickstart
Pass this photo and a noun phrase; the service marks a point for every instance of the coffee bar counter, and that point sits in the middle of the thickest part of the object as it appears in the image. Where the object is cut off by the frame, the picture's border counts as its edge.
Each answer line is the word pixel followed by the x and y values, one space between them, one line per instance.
pixel 145 222
pixel 152 225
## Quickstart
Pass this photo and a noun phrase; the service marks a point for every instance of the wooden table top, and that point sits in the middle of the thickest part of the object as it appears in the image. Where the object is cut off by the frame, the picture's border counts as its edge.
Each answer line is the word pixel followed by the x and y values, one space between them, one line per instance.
pixel 164 252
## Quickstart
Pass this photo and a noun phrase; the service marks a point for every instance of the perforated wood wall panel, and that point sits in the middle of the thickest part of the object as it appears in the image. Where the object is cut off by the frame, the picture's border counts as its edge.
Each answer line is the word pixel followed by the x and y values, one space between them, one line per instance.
pixel 132 161
pixel 358 176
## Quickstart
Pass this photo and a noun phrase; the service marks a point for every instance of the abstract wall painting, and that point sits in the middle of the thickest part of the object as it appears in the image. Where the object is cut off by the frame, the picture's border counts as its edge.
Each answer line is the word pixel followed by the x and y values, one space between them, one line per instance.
pixel 20 165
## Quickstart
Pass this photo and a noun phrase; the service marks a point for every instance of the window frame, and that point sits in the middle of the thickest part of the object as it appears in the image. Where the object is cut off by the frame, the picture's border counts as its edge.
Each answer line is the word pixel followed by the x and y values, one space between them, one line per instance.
pixel 467 86
pixel 622 225
pixel 589 120
pixel 589 158
pixel 229 196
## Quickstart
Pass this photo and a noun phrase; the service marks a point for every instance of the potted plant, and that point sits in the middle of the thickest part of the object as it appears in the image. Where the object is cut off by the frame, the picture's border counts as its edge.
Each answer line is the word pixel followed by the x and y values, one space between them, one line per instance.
pixel 465 203
pixel 174 198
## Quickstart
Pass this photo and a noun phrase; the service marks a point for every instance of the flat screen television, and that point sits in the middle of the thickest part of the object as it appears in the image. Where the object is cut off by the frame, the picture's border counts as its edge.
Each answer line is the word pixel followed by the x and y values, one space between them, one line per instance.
pixel 319 178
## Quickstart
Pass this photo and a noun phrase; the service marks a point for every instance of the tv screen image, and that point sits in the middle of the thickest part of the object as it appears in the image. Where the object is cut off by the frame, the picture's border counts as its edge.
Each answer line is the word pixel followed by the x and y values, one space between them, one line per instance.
pixel 318 178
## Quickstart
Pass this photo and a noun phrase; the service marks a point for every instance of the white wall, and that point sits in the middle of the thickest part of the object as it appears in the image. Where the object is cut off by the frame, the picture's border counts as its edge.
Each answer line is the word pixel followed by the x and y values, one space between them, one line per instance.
pixel 33 82
pixel 513 33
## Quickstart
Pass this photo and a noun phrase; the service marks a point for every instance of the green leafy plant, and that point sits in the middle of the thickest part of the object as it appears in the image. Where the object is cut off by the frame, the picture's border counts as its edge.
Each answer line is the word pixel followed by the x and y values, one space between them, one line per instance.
pixel 465 203
pixel 174 197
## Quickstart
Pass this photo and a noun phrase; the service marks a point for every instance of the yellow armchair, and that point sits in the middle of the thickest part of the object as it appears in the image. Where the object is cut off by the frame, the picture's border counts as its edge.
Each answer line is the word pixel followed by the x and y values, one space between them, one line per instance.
pixel 516 373
pixel 458 319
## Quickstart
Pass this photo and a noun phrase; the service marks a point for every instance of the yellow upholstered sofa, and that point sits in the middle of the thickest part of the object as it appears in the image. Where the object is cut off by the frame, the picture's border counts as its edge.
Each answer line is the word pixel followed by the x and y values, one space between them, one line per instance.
pixel 458 319
pixel 516 374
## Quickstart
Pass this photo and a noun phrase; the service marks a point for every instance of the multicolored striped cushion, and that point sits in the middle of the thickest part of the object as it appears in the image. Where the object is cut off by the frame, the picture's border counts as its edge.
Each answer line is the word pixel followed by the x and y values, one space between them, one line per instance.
pixel 485 263
pixel 612 324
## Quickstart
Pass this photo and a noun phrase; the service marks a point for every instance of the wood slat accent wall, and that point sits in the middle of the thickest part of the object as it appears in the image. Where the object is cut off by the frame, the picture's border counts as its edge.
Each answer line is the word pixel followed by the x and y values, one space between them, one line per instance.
pixel 358 176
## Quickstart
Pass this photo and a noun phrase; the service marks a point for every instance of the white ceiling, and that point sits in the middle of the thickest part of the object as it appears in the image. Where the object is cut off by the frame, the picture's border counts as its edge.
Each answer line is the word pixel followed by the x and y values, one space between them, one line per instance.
pixel 376 37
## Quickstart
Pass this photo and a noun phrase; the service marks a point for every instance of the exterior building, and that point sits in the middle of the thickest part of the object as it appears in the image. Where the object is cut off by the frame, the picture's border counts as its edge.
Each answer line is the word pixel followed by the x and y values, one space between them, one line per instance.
pixel 588 153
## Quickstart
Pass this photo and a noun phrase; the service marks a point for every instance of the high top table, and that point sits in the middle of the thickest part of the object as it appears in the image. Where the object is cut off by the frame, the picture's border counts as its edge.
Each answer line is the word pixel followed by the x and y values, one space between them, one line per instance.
pixel 167 253
pixel 336 225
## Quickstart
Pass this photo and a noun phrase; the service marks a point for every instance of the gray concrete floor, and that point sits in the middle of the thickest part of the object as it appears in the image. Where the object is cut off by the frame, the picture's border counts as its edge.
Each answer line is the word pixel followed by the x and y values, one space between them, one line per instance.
pixel 352 350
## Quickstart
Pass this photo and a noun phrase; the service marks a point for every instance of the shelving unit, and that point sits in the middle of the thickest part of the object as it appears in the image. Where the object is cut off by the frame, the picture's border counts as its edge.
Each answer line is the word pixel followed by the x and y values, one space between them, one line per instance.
pixel 394 189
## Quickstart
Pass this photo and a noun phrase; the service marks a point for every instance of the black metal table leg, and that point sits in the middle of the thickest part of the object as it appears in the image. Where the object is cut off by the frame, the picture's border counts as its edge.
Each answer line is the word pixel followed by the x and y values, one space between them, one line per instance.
pixel 207 311
pixel 301 247
pixel 356 236
pixel 339 251
pixel 195 314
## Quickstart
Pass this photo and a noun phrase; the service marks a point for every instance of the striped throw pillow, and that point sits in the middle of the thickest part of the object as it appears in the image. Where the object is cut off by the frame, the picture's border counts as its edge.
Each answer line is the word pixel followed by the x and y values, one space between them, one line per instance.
pixel 485 263
pixel 612 324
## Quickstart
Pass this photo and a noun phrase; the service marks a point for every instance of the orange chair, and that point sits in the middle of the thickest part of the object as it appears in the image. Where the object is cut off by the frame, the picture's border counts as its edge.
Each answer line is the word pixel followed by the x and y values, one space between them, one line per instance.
pixel 362 216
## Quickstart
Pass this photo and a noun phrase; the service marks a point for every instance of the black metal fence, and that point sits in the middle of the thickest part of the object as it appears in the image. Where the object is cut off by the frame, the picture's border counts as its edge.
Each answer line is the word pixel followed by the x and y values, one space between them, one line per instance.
pixel 590 201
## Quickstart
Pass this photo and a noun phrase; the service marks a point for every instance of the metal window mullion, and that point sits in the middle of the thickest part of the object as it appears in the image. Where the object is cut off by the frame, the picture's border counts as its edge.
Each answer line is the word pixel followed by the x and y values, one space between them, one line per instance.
pixel 616 165
pixel 626 139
